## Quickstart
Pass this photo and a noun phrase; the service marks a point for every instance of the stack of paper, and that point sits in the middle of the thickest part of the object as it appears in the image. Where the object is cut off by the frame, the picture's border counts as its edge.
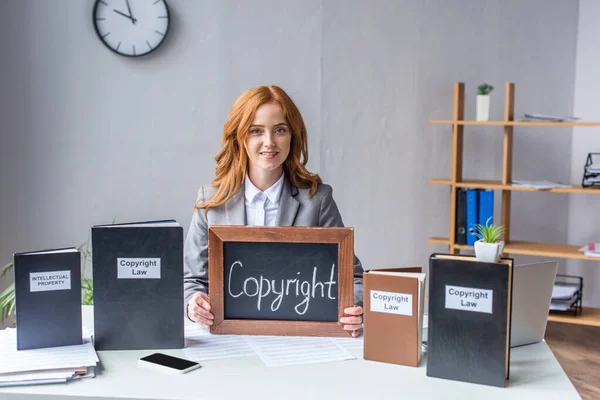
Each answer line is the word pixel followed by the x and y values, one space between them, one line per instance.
pixel 593 168
pixel 564 296
pixel 591 249
pixel 548 118
pixel 592 173
pixel 540 184
pixel 47 365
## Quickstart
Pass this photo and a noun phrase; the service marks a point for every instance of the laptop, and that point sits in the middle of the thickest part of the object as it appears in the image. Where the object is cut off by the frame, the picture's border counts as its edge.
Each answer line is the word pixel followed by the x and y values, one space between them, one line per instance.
pixel 532 294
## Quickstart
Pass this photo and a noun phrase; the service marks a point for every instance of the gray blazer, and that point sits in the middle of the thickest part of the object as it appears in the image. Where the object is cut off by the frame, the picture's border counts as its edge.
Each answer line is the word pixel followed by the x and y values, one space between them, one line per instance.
pixel 295 209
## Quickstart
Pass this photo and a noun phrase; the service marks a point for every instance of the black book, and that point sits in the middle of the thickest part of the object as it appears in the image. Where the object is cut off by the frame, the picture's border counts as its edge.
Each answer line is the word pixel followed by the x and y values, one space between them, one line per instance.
pixel 461 216
pixel 48 298
pixel 469 319
pixel 138 285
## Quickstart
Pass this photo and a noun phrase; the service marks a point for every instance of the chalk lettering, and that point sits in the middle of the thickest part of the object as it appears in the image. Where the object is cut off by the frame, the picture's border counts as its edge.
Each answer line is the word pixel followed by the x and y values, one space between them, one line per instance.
pixel 262 287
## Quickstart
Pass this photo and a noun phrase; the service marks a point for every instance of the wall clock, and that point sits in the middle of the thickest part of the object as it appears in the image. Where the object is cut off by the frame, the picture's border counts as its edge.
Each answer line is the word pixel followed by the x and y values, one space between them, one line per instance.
pixel 131 28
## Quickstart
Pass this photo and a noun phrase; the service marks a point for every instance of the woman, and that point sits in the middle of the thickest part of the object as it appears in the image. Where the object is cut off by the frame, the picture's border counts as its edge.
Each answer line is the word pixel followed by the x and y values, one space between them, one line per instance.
pixel 261 179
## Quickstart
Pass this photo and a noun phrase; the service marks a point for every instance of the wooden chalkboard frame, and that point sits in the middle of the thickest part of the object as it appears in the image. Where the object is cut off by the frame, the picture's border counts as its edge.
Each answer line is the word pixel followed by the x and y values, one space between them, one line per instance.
pixel 342 236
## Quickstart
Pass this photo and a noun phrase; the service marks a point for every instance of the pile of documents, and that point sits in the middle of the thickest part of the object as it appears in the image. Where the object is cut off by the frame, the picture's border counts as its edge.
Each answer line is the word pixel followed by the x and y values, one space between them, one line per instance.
pixel 592 173
pixel 548 118
pixel 47 365
pixel 564 297
pixel 543 184
pixel 591 249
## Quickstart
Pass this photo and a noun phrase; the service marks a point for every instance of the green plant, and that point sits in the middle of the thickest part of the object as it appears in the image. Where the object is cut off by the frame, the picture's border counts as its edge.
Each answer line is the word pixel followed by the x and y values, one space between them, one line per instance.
pixel 489 233
pixel 484 89
pixel 7 297
pixel 87 285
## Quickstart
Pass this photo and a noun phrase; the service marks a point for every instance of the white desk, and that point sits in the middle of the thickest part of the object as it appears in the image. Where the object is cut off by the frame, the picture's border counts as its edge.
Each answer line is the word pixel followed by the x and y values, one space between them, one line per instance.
pixel 535 374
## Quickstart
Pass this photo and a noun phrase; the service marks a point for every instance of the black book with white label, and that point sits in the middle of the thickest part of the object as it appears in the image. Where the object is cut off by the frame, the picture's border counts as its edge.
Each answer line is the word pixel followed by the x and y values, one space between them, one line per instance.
pixel 48 298
pixel 469 319
pixel 138 285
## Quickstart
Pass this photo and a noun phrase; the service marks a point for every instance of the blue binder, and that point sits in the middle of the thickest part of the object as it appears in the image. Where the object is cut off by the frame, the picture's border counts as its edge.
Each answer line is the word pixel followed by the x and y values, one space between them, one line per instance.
pixel 486 206
pixel 472 215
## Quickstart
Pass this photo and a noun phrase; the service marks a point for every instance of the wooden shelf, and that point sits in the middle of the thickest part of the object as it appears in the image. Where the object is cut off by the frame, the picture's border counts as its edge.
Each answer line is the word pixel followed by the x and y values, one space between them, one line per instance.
pixel 588 316
pixel 439 240
pixel 514 123
pixel 456 125
pixel 498 185
pixel 530 249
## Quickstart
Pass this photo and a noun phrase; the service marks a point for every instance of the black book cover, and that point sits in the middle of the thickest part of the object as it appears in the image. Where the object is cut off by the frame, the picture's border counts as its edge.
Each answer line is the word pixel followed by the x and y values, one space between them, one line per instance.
pixel 461 216
pixel 469 319
pixel 138 285
pixel 48 298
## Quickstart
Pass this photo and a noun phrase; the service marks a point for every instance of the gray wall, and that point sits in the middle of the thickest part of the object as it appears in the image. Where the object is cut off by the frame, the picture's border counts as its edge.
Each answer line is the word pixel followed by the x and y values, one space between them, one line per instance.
pixel 87 136
pixel 584 210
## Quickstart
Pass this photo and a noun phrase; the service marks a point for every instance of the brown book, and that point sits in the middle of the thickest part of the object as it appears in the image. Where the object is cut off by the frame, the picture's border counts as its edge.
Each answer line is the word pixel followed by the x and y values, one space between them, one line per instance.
pixel 393 315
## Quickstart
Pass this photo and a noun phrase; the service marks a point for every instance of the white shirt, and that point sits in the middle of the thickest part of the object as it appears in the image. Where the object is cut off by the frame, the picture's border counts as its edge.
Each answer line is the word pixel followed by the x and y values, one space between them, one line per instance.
pixel 261 207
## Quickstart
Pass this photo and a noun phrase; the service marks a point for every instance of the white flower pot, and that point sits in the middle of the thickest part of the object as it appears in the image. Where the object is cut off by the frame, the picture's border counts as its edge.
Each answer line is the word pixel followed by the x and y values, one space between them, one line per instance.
pixel 483 107
pixel 488 252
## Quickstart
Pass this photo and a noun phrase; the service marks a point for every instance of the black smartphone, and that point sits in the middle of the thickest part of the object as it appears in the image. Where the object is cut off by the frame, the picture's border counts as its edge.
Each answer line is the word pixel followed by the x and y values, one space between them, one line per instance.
pixel 168 363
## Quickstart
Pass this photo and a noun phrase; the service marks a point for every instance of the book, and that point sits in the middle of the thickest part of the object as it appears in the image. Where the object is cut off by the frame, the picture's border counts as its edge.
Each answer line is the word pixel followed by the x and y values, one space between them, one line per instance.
pixel 470 309
pixel 461 216
pixel 138 285
pixel 393 315
pixel 472 215
pixel 486 207
pixel 48 298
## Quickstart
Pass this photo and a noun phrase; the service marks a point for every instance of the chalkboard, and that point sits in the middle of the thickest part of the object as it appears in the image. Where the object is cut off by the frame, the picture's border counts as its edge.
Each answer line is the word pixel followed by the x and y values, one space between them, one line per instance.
pixel 280 280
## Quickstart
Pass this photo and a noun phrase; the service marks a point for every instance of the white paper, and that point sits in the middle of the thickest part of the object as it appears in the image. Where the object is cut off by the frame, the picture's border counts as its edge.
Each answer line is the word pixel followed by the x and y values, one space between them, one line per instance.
pixel 36 375
pixel 560 306
pixel 564 291
pixel 13 360
pixel 279 351
pixel 33 382
pixel 200 345
pixel 350 343
pixel 543 184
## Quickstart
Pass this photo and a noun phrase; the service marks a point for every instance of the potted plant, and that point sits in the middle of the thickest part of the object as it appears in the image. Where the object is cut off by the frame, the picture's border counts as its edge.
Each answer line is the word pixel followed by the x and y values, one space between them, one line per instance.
pixel 483 101
pixel 489 247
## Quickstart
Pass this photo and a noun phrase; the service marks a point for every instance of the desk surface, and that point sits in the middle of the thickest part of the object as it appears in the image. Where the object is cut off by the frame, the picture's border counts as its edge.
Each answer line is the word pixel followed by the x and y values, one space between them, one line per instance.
pixel 535 374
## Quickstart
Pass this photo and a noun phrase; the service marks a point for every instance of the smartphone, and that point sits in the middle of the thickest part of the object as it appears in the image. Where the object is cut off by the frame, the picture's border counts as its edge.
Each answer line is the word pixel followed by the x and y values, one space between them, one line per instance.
pixel 168 363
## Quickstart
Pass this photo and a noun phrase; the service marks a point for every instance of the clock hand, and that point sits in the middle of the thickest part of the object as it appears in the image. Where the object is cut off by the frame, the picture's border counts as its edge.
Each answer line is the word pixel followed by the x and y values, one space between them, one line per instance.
pixel 133 20
pixel 130 14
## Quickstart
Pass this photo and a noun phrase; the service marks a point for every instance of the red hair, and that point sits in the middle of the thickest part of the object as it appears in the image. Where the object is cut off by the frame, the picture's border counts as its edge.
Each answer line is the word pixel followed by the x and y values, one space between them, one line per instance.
pixel 232 160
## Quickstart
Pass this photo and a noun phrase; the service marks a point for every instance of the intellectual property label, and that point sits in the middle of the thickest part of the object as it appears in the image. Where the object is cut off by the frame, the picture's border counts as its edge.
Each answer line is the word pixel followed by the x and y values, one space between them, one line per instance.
pixel 48 281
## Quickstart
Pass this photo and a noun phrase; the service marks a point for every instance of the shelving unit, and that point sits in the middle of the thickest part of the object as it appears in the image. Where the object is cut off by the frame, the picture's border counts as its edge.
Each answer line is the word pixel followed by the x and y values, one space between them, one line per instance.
pixel 589 316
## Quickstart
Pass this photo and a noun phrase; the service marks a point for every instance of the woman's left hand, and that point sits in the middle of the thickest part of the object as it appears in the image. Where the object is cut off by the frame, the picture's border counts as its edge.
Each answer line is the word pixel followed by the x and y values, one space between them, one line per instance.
pixel 354 321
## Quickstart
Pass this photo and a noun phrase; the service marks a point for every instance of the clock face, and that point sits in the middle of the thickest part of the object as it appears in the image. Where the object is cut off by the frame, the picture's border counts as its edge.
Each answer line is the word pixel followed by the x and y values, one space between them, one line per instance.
pixel 131 27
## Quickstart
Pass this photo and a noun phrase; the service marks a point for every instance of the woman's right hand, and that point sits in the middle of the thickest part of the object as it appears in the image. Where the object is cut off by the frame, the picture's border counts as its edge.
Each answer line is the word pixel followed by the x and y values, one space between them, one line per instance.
pixel 199 310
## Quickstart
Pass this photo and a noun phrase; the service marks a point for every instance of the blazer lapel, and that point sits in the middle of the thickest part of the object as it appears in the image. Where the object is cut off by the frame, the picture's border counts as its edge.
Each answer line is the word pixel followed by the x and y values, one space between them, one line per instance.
pixel 288 205
pixel 235 208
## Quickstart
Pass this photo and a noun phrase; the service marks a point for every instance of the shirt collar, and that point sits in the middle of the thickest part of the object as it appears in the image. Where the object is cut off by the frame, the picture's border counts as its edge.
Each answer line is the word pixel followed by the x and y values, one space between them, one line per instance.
pixel 273 193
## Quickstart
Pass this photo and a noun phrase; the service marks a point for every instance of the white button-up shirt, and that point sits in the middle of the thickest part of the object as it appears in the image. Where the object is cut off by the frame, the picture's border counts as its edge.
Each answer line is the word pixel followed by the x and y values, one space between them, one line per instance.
pixel 261 207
